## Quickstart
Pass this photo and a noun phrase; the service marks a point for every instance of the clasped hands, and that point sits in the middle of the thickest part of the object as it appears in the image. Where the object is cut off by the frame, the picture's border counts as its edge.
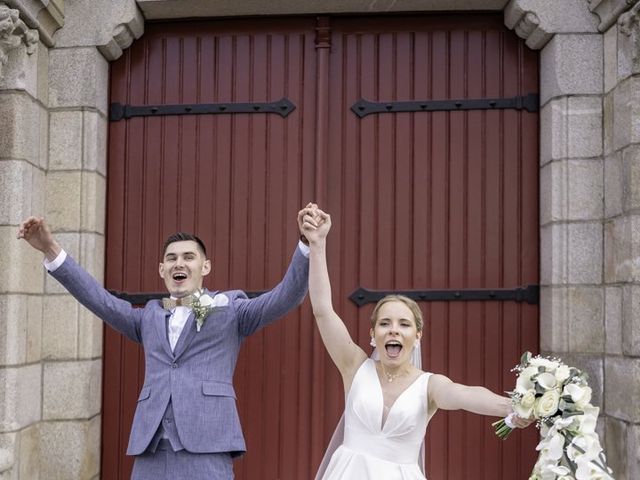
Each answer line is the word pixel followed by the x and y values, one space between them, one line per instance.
pixel 314 223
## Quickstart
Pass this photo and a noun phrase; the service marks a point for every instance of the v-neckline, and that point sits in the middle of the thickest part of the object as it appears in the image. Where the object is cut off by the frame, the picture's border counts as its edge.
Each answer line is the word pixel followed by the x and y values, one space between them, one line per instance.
pixel 375 371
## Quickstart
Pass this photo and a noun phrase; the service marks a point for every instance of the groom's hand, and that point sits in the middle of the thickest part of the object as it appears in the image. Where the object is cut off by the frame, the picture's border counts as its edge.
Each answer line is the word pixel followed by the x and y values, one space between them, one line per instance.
pixel 37 233
pixel 305 215
pixel 316 225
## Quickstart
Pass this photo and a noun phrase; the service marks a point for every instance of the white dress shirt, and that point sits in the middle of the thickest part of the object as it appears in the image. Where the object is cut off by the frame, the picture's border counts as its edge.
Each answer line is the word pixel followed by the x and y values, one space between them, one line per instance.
pixel 179 316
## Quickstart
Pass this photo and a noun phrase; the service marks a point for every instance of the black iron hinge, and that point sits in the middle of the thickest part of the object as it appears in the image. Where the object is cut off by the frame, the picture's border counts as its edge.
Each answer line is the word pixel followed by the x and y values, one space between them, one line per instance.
pixel 529 294
pixel 530 103
pixel 144 297
pixel 118 111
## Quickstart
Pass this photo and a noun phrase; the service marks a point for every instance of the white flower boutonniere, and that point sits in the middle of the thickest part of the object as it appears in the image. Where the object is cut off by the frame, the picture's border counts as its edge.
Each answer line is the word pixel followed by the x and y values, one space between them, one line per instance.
pixel 203 304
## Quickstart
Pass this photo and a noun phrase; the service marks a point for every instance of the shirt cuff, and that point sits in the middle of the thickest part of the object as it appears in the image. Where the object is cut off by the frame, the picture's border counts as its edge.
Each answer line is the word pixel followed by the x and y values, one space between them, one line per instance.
pixel 53 265
pixel 304 249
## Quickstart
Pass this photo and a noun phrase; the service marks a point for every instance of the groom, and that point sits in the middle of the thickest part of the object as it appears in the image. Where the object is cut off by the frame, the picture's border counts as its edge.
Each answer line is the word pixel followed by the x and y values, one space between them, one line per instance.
pixel 186 424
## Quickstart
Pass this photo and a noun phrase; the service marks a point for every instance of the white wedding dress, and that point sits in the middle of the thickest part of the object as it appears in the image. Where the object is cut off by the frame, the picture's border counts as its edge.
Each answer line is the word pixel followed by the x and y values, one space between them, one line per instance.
pixel 370 450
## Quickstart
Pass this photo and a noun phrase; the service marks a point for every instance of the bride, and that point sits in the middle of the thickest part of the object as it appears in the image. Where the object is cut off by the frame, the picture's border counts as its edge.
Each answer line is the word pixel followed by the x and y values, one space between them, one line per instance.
pixel 389 399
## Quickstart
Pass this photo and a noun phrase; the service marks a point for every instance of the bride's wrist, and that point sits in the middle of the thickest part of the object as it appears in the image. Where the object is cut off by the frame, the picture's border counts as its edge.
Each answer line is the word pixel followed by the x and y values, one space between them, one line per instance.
pixel 508 420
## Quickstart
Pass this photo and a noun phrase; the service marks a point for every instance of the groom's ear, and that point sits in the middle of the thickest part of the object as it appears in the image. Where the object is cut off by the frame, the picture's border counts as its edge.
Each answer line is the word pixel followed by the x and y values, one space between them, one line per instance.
pixel 206 267
pixel 161 270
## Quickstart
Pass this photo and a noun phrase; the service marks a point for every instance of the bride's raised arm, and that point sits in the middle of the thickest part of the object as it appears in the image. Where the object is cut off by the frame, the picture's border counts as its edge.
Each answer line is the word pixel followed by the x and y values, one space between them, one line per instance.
pixel 343 351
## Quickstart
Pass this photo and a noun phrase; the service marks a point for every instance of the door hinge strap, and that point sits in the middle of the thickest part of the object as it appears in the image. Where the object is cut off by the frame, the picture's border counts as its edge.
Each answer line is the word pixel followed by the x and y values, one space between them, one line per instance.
pixel 143 297
pixel 529 294
pixel 529 102
pixel 118 111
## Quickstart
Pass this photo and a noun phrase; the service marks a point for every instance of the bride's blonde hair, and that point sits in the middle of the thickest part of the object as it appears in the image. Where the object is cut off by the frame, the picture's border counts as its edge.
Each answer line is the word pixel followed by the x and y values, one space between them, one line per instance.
pixel 411 304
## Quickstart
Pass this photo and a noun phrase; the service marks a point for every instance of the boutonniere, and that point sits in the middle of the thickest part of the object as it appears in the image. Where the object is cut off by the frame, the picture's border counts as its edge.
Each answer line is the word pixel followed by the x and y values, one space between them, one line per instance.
pixel 203 304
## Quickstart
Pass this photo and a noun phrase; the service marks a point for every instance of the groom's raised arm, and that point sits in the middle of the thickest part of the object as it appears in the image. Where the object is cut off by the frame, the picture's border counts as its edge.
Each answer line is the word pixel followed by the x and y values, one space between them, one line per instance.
pixel 37 234
pixel 289 293
pixel 116 312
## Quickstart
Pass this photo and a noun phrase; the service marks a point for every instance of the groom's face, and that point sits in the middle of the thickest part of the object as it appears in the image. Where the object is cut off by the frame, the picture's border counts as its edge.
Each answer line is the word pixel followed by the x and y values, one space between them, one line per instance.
pixel 183 267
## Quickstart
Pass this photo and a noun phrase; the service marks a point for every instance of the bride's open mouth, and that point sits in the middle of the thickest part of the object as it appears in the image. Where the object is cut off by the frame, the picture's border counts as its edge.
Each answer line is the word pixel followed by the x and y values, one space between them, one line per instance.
pixel 393 348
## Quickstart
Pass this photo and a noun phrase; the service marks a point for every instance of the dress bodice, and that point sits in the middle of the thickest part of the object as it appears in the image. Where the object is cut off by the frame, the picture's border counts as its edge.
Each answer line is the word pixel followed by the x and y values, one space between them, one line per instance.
pixel 401 436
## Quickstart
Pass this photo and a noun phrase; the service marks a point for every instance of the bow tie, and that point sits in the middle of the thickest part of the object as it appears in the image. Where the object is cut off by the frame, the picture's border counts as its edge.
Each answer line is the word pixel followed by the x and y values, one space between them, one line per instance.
pixel 171 303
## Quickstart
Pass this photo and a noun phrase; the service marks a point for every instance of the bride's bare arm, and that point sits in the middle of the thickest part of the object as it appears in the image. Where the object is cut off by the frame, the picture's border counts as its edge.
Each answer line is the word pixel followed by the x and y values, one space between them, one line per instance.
pixel 445 394
pixel 343 351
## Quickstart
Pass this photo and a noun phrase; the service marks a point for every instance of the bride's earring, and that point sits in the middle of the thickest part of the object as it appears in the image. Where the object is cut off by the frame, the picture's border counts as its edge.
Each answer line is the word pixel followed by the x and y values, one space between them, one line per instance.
pixel 372 342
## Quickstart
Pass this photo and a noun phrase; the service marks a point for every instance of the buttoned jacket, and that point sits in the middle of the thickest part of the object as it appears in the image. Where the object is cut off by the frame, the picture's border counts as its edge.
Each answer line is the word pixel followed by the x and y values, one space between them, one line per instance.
pixel 197 375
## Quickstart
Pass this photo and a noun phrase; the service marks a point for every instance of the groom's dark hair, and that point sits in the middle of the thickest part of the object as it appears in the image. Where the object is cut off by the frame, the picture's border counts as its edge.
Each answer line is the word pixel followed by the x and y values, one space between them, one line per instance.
pixel 181 237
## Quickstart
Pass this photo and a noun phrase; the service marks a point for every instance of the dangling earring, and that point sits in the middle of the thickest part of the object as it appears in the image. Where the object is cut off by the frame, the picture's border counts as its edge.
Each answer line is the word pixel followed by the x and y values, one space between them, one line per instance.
pixel 372 342
pixel 416 355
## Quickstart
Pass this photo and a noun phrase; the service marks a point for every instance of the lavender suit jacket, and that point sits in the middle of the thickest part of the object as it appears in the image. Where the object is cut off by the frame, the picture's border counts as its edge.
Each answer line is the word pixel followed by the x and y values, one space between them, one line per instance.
pixel 197 376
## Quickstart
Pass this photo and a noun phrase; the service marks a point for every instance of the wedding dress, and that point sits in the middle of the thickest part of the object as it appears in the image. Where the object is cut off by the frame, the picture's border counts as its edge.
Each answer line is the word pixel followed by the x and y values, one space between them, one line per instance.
pixel 371 450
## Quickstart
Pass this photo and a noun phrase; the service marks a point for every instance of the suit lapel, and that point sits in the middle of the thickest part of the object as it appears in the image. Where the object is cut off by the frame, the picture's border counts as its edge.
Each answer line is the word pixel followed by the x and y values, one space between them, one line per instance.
pixel 186 337
pixel 189 332
pixel 161 330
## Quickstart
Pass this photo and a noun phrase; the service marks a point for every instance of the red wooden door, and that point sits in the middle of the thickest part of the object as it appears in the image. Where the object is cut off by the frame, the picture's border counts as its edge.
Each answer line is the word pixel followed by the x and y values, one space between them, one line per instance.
pixel 441 200
pixel 419 200
pixel 235 180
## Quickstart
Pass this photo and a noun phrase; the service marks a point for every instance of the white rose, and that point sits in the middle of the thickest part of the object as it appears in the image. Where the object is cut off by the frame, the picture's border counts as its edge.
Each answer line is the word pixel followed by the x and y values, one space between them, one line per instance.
pixel 547 405
pixel 524 407
pixel 562 373
pixel 205 300
pixel 220 300
pixel 546 381
pixel 581 396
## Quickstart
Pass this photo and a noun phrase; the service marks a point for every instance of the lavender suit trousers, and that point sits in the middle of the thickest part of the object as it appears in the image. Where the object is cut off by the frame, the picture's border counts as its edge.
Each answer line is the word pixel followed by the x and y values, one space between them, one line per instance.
pixel 165 464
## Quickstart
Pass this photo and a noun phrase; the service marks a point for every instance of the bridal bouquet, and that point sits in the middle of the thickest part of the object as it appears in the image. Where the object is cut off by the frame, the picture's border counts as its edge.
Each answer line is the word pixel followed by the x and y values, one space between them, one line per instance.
pixel 558 397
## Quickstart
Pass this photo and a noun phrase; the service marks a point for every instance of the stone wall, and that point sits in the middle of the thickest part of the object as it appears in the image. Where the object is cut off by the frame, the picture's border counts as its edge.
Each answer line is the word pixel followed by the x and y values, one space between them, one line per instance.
pixel 53 126
pixel 53 130
pixel 24 125
pixel 589 201
pixel 622 241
